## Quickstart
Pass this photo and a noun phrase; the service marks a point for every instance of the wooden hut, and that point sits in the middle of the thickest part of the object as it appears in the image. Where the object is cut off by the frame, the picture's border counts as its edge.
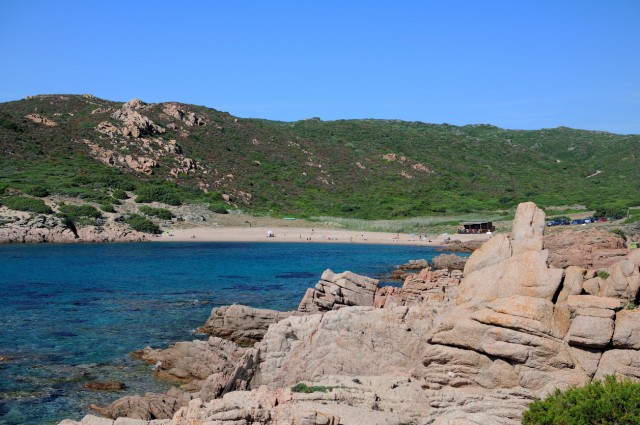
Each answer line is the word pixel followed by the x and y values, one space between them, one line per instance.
pixel 477 227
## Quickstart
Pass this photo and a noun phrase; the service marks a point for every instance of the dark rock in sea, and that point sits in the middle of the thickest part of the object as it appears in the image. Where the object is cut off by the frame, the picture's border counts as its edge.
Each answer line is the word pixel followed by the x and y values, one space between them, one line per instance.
pixel 449 262
pixel 105 386
pixel 460 246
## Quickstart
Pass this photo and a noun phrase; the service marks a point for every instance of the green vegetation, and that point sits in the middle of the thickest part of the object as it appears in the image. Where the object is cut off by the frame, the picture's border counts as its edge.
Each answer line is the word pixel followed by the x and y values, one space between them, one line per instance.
pixel 68 175
pixel 23 203
pixel 37 191
pixel 619 232
pixel 219 208
pixel 608 402
pixel 304 388
pixel 167 194
pixel 603 274
pixel 107 208
pixel 79 215
pixel 633 216
pixel 360 169
pixel 120 194
pixel 156 212
pixel 141 224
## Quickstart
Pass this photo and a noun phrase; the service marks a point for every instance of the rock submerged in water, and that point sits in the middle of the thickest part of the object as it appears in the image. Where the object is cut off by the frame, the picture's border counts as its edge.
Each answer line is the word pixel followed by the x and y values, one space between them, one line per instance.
pixel 448 347
pixel 105 386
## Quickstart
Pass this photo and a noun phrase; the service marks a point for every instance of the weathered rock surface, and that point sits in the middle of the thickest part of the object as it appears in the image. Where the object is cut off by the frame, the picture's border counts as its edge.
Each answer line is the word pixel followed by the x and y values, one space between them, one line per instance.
pixel 189 118
pixel 627 330
pixel 48 228
pixel 38 119
pixel 335 291
pixel 135 124
pixel 589 249
pixel 456 245
pixel 449 262
pixel 241 324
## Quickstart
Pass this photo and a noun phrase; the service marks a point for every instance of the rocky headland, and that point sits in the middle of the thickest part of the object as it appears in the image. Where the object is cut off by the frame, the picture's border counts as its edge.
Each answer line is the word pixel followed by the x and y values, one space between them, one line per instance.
pixel 471 346
pixel 44 228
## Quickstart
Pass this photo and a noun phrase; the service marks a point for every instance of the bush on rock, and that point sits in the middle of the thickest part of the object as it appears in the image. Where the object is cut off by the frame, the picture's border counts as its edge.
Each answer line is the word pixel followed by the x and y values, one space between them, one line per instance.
pixel 600 402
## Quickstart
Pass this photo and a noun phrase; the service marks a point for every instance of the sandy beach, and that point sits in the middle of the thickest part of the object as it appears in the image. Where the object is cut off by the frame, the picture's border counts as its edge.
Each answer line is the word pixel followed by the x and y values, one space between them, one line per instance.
pixel 305 235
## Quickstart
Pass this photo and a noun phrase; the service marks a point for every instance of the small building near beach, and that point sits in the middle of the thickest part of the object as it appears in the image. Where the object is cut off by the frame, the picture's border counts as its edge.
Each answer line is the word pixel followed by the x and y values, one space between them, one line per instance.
pixel 477 227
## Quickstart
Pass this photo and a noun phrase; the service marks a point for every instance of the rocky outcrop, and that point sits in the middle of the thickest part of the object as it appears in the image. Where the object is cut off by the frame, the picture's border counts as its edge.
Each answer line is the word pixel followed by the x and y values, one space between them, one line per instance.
pixel 449 262
pixel 105 127
pixel 205 368
pixel 39 229
pixel 241 324
pixel 338 290
pixel 38 119
pixel 140 164
pixel 511 329
pixel 335 291
pixel 190 119
pixel 590 249
pixel 48 228
pixel 455 245
pixel 135 124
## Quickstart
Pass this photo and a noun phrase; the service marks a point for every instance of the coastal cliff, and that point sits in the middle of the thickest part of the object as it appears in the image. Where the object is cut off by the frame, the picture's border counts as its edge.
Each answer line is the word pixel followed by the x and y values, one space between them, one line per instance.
pixel 449 347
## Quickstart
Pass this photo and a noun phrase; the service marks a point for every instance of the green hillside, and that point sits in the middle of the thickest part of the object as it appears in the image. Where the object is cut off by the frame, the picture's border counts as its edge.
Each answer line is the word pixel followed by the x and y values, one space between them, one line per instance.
pixel 353 168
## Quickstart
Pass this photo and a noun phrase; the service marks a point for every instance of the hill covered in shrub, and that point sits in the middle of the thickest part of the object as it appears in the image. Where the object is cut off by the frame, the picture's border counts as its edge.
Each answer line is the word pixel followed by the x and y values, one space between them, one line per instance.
pixel 95 149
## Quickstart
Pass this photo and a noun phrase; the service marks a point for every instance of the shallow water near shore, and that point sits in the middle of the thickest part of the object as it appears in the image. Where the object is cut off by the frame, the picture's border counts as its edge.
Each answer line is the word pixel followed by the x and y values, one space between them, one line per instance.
pixel 71 314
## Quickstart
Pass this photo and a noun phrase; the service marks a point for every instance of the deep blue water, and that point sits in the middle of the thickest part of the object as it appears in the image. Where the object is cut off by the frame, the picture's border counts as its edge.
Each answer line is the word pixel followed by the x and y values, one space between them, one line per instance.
pixel 70 314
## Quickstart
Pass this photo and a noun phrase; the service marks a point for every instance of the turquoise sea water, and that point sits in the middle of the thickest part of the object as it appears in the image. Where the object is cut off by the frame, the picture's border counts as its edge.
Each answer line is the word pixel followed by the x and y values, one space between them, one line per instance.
pixel 71 314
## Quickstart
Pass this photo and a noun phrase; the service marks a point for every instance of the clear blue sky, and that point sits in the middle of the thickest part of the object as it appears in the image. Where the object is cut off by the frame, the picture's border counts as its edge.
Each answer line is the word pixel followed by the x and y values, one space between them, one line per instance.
pixel 515 64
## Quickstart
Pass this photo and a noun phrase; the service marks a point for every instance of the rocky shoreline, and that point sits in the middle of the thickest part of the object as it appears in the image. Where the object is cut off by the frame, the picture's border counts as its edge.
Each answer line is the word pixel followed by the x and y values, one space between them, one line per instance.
pixel 50 229
pixel 525 316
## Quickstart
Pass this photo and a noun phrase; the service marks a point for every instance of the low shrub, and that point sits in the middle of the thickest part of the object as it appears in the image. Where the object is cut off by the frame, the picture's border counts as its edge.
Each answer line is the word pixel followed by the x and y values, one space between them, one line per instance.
pixel 600 402
pixel 164 194
pixel 141 224
pixel 218 208
pixel 156 212
pixel 79 215
pixel 38 191
pixel 120 194
pixel 23 203
pixel 107 208
pixel 304 388
pixel 79 211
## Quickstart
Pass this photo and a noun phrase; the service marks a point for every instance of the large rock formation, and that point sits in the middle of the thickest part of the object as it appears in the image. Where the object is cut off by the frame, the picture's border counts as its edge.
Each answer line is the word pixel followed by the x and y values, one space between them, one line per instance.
pixel 510 330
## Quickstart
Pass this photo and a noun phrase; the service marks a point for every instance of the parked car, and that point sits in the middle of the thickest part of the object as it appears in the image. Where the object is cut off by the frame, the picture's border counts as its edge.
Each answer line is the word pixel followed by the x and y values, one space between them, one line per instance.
pixel 601 220
pixel 559 222
pixel 580 221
